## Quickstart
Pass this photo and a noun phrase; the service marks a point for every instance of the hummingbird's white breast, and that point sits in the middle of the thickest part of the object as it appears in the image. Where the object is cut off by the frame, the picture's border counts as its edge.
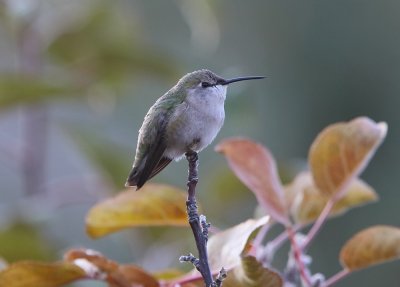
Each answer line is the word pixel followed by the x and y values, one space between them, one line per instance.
pixel 196 122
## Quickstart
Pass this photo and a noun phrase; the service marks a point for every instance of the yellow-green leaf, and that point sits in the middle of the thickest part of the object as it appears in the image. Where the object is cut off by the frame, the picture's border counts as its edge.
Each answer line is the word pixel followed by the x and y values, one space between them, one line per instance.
pixel 152 205
pixel 21 241
pixel 342 151
pixel 307 201
pixel 371 246
pixel 252 273
pixel 225 248
pixel 254 165
pixel 168 274
pixel 35 274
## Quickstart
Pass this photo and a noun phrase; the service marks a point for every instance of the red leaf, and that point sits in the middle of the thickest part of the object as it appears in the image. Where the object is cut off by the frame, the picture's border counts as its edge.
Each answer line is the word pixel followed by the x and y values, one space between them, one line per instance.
pixel 254 165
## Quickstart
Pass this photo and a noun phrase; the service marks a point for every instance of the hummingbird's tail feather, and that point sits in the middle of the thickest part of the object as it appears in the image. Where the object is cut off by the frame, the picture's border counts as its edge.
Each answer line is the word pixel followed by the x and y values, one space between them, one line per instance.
pixel 154 162
pixel 160 166
pixel 132 178
pixel 138 180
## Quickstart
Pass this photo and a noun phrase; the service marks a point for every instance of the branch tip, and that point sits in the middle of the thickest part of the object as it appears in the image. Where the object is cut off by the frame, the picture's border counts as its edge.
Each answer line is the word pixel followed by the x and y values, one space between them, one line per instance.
pixel 221 277
pixel 190 258
pixel 204 226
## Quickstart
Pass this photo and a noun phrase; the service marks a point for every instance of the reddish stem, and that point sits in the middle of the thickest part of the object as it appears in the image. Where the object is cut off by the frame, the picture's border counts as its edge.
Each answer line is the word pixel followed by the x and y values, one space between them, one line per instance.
pixel 318 223
pixel 337 277
pixel 297 252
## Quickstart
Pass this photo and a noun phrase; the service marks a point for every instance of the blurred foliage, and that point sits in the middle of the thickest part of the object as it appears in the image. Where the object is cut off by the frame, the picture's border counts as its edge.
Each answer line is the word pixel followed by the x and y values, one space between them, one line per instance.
pixel 16 90
pixel 109 157
pixel 21 241
pixel 104 48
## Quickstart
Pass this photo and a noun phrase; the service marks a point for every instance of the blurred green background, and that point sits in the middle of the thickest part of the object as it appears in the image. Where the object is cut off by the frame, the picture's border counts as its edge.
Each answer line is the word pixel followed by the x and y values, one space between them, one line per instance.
pixel 77 77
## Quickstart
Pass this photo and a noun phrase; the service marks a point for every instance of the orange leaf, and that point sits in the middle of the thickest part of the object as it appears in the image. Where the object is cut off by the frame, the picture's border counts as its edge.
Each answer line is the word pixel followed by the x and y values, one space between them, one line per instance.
pixel 307 202
pixel 254 165
pixel 341 152
pixel 134 276
pixel 371 246
pixel 34 274
pixel 96 258
pixel 113 273
pixel 153 205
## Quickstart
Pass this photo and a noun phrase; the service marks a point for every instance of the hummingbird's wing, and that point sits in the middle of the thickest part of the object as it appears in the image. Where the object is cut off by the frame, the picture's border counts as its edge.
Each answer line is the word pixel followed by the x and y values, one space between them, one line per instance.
pixel 164 161
pixel 150 159
pixel 139 179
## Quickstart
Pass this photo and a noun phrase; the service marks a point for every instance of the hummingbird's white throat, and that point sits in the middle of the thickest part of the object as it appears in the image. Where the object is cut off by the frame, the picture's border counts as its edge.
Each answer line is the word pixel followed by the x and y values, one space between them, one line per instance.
pixel 210 94
pixel 197 121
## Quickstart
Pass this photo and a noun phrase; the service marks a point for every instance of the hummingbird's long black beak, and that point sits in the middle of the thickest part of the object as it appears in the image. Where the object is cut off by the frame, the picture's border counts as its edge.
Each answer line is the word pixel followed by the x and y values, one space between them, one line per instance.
pixel 226 82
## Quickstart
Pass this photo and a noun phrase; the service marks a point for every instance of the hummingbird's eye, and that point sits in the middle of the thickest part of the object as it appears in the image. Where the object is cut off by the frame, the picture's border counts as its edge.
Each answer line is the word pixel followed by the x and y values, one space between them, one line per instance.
pixel 205 84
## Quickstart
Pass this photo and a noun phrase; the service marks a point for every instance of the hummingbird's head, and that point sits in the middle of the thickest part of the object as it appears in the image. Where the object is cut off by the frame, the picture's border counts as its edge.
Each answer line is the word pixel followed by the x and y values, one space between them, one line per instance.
pixel 205 79
pixel 201 78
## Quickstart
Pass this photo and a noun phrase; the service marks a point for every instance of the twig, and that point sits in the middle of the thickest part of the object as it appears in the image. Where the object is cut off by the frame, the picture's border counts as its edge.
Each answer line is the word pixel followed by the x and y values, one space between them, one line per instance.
pixel 199 226
pixel 268 252
pixel 220 277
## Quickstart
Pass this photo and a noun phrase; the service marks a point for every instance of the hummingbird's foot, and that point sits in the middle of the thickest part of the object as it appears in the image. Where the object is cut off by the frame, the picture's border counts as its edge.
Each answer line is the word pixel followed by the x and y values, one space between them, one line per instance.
pixel 193 160
pixel 192 156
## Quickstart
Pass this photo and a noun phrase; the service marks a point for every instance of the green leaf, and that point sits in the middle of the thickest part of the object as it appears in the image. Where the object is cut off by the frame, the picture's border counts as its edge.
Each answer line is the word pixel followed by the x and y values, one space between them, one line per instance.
pixel 153 205
pixel 22 241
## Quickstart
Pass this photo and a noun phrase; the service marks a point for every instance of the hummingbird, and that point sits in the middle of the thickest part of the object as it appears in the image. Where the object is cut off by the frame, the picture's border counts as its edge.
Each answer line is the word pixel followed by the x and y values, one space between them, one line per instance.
pixel 185 119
